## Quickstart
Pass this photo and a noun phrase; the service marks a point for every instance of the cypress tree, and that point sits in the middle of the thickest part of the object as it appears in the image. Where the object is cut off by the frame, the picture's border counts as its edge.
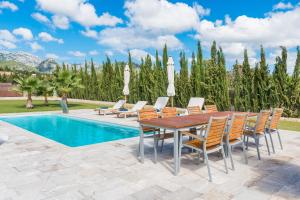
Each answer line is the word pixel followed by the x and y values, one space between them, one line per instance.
pixel 200 85
pixel 165 64
pixel 280 78
pixel 146 81
pixel 222 82
pixel 159 88
pixel 194 78
pixel 237 82
pixel 264 81
pixel 246 83
pixel 183 92
pixel 294 88
pixel 94 87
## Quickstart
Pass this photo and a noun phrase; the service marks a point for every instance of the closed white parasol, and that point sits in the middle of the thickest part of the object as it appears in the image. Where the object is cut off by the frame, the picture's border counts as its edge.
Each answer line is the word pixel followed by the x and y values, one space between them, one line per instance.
pixel 171 87
pixel 126 81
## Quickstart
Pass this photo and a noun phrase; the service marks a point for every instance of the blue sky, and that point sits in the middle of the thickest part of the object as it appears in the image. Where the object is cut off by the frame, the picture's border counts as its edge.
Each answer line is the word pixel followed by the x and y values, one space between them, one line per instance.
pixel 75 30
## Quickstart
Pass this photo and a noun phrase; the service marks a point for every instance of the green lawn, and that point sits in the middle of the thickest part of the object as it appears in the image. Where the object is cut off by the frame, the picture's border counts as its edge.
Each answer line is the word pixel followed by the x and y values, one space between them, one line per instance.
pixel 17 106
pixel 287 125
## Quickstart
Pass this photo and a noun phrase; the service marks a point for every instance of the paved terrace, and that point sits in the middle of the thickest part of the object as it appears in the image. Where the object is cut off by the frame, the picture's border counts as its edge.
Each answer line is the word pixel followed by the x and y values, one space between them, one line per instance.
pixel 32 167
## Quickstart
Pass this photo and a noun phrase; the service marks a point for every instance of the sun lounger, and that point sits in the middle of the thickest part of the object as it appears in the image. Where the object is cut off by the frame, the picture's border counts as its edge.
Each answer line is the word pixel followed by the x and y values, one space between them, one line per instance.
pixel 160 103
pixel 114 109
pixel 133 111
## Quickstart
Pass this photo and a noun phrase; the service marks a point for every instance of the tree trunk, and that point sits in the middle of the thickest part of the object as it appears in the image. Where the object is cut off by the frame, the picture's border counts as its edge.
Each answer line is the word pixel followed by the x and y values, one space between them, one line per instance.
pixel 46 100
pixel 29 101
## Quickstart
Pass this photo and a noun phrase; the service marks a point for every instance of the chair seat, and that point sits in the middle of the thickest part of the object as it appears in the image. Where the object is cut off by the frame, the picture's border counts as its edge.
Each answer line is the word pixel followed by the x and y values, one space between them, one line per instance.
pixel 234 141
pixel 199 144
pixel 149 129
pixel 164 135
pixel 251 133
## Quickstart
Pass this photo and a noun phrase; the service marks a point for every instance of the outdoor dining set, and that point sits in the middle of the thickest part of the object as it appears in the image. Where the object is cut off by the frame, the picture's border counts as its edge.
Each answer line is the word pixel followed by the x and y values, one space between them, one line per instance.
pixel 207 131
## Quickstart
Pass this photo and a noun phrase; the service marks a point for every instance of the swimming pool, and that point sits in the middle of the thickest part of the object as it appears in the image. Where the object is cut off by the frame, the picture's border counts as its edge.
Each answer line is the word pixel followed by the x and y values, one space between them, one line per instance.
pixel 72 131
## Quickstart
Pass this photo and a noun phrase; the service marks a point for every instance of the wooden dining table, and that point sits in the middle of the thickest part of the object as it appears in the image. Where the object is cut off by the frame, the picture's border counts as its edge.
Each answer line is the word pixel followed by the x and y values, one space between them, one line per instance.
pixel 177 124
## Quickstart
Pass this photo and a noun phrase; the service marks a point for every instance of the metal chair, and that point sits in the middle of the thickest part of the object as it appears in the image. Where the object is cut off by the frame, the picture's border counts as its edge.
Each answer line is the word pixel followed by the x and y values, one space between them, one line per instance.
pixel 258 131
pixel 194 110
pixel 234 135
pixel 272 126
pixel 145 114
pixel 211 141
pixel 165 113
pixel 211 108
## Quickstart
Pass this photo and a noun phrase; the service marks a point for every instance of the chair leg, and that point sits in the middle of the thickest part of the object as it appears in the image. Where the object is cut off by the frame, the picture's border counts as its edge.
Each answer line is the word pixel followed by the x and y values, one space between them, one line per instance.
pixel 245 153
pixel 257 147
pixel 247 142
pixel 208 167
pixel 155 149
pixel 279 139
pixel 267 143
pixel 162 145
pixel 224 158
pixel 229 149
pixel 271 139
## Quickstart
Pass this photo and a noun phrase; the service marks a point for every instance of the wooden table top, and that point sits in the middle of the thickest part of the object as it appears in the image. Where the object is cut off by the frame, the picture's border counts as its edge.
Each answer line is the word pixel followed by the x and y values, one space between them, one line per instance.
pixel 188 120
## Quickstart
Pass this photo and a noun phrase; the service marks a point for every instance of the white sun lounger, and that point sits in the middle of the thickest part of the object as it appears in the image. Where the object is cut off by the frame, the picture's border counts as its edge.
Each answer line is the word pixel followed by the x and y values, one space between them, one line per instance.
pixel 133 111
pixel 114 109
pixel 161 102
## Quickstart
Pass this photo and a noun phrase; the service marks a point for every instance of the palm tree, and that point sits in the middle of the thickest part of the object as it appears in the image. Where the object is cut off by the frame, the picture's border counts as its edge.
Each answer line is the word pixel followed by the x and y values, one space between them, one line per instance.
pixel 28 85
pixel 45 88
pixel 66 81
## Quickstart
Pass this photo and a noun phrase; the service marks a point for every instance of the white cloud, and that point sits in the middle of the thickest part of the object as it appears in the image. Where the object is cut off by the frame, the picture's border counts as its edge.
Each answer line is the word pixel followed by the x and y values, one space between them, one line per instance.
pixel 90 33
pixel 283 6
pixel 52 55
pixel 128 38
pixel 35 46
pixel 25 33
pixel 93 53
pixel 163 16
pixel 61 22
pixel 271 31
pixel 77 53
pixel 201 10
pixel 46 37
pixel 138 54
pixel 7 39
pixel 8 5
pixel 40 18
pixel 109 53
pixel 79 11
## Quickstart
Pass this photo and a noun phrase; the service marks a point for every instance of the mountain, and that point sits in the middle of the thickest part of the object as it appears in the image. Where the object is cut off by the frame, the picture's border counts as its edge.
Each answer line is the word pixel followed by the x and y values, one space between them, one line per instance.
pixel 20 57
pixel 47 65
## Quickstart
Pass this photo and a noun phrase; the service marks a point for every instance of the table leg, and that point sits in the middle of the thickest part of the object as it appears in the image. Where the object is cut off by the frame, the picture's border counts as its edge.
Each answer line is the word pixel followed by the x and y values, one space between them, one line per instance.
pixel 141 145
pixel 176 163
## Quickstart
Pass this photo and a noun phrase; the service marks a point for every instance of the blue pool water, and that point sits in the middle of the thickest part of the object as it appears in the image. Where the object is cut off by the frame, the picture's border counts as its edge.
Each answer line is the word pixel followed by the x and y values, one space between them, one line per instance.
pixel 71 131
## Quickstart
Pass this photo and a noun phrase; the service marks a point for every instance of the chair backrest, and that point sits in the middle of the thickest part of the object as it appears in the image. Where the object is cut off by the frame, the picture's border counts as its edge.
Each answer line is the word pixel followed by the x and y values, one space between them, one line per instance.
pixel 147 113
pixel 161 102
pixel 139 105
pixel 237 126
pixel 196 101
pixel 215 131
pixel 168 112
pixel 261 121
pixel 119 104
pixel 276 115
pixel 193 110
pixel 211 108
